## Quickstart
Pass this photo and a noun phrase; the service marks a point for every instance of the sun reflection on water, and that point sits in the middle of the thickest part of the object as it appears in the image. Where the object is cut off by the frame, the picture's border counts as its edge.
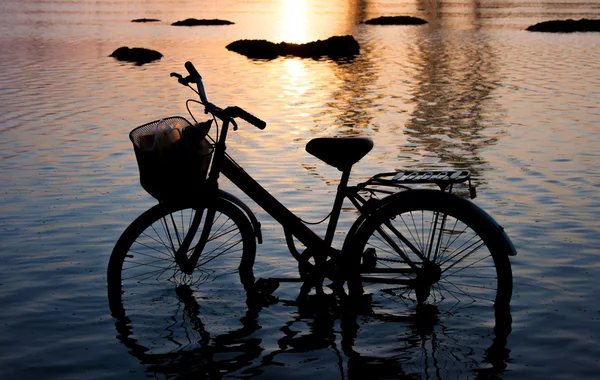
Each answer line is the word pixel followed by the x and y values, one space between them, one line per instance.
pixel 295 72
pixel 295 77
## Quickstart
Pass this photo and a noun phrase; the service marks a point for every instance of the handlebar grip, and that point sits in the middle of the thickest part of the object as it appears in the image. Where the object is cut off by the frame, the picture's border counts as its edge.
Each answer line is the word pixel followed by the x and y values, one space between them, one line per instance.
pixel 242 114
pixel 192 70
pixel 196 78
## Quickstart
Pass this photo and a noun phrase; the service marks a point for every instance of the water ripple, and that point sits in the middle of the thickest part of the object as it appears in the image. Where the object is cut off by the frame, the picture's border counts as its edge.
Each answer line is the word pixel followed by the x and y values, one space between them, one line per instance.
pixel 470 90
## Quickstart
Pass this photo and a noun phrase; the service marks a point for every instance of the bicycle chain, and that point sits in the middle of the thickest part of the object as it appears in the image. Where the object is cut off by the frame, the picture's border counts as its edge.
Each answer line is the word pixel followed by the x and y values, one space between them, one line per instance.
pixel 391 260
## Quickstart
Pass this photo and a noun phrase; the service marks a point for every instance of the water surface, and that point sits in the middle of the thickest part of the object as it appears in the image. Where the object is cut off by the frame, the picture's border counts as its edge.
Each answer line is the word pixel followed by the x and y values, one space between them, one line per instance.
pixel 471 90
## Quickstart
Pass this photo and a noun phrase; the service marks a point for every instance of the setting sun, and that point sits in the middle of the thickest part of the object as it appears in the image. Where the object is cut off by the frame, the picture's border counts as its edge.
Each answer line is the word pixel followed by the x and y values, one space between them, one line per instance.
pixel 293 21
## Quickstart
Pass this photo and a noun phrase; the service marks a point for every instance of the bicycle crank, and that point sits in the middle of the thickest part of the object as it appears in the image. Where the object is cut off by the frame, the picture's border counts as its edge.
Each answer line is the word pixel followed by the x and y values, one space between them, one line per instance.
pixel 314 268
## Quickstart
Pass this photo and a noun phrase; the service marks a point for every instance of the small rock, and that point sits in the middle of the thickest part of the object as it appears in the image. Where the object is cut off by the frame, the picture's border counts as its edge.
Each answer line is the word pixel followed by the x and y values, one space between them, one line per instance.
pixel 395 20
pixel 145 20
pixel 138 55
pixel 196 22
pixel 566 26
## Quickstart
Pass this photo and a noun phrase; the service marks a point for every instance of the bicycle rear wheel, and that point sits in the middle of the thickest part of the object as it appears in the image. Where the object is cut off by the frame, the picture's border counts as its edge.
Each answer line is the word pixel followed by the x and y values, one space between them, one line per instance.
pixel 165 309
pixel 429 247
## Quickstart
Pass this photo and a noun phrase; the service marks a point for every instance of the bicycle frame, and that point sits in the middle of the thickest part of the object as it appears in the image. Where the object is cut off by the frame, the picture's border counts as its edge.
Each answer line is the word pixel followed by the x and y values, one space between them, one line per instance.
pixel 292 224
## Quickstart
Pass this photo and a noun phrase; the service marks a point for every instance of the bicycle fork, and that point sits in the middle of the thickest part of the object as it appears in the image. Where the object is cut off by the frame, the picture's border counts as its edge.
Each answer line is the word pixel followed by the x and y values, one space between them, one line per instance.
pixel 185 263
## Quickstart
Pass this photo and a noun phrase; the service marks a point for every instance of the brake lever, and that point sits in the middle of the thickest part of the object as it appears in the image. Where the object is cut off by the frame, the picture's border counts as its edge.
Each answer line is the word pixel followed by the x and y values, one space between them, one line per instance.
pixel 184 81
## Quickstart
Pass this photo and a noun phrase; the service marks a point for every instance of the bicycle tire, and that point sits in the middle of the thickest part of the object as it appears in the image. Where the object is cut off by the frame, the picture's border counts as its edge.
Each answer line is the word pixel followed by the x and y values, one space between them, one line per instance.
pixel 165 310
pixel 472 248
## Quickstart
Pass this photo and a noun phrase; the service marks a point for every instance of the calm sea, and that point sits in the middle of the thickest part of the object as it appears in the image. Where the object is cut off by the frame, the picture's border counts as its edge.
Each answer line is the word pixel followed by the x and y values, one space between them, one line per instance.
pixel 471 89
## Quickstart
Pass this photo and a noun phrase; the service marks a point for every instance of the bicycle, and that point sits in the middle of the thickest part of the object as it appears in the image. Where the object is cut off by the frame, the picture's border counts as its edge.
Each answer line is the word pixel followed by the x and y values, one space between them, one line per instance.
pixel 409 245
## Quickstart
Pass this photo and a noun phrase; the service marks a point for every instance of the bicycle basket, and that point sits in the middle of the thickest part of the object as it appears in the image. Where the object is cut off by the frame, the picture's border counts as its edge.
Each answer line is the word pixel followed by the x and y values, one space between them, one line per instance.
pixel 173 157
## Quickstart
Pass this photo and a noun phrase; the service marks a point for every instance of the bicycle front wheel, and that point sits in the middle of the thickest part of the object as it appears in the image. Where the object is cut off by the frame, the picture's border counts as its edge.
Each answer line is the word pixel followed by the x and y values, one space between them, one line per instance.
pixel 430 247
pixel 165 309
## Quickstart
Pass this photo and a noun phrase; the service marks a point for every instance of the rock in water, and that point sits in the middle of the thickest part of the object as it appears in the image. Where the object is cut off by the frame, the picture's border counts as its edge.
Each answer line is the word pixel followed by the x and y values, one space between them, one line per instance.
pixel 259 49
pixel 145 20
pixel 566 26
pixel 337 47
pixel 138 55
pixel 395 20
pixel 196 22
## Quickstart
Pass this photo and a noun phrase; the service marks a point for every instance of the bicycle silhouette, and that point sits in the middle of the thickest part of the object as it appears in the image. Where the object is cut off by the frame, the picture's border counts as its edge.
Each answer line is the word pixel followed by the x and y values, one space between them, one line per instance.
pixel 414 243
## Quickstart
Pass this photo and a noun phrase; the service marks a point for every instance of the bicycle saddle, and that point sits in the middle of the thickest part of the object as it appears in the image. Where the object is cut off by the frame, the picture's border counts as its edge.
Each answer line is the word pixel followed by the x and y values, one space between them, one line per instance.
pixel 340 152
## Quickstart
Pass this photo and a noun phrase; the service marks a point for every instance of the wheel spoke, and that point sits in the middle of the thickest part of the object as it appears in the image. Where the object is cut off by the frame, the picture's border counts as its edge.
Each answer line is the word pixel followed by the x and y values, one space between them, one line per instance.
pixel 464 257
pixel 472 296
pixel 162 255
pixel 450 233
pixel 157 237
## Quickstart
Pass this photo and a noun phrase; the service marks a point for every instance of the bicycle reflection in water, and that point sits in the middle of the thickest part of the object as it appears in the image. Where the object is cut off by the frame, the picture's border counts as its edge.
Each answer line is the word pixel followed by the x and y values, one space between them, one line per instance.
pixel 323 336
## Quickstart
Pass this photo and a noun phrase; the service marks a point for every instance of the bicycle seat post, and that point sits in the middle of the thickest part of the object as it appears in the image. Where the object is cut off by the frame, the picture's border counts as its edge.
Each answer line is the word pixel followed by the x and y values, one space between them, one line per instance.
pixel 337 206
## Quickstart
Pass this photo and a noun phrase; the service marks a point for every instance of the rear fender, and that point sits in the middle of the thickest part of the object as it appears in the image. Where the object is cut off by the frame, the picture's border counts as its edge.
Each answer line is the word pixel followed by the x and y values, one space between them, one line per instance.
pixel 409 196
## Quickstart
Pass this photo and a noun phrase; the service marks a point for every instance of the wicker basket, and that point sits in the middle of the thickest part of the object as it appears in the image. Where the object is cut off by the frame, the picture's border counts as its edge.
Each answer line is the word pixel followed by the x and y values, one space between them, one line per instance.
pixel 173 157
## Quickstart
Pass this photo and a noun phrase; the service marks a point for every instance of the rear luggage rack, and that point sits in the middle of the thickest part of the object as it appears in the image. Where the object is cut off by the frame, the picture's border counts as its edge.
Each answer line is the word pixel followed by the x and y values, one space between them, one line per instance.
pixel 412 177
pixel 442 178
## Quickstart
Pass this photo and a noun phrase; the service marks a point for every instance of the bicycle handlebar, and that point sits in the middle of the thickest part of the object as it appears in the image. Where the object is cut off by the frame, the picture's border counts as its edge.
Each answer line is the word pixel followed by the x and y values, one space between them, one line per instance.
pixel 236 111
pixel 192 70
pixel 196 78
pixel 230 112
